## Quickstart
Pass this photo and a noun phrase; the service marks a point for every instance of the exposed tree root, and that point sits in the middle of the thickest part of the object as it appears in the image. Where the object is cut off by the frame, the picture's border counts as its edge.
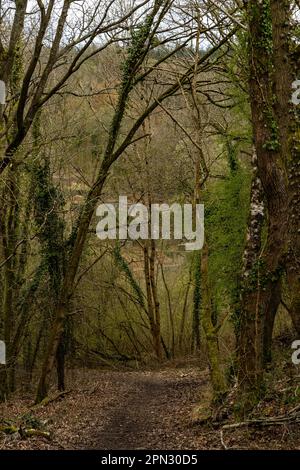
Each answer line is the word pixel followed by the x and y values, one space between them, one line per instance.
pixel 52 399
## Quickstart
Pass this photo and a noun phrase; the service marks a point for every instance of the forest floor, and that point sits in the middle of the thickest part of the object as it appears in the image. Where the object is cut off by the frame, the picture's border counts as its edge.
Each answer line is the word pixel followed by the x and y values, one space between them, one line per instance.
pixel 151 409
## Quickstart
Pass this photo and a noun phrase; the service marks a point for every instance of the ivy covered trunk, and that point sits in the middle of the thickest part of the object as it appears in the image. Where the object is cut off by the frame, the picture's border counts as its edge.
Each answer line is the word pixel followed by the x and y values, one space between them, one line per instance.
pixel 66 292
pixel 131 65
pixel 48 204
pixel 260 297
pixel 280 13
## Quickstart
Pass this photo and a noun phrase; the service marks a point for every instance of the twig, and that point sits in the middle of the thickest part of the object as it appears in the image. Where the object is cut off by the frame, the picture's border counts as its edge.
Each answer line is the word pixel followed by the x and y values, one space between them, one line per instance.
pixel 222 440
pixel 290 418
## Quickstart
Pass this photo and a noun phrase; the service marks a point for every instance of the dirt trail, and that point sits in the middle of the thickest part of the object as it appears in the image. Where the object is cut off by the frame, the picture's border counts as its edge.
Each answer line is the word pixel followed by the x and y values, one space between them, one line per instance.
pixel 151 410
pixel 111 410
pixel 154 412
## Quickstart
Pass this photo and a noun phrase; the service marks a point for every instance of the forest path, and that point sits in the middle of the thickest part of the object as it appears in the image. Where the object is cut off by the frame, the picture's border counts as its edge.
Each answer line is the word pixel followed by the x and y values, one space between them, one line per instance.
pixel 121 410
pixel 151 410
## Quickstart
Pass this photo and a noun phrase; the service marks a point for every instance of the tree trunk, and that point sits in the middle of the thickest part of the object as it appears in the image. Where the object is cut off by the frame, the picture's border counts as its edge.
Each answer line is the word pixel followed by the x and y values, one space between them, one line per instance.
pixel 293 257
pixel 60 365
pixel 170 310
pixel 211 332
pixel 184 312
pixel 3 383
pixel 9 225
pixel 154 328
pixel 269 324
pixel 258 296
pixel 247 352
pixel 286 67
pixel 196 340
